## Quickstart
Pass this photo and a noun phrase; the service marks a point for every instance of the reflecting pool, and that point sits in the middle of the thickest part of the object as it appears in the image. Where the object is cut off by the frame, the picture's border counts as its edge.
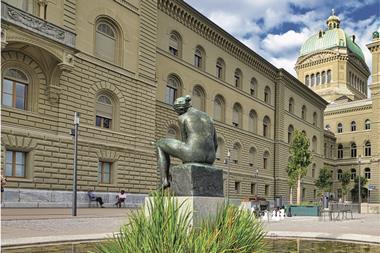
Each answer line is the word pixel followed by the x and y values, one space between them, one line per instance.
pixel 274 246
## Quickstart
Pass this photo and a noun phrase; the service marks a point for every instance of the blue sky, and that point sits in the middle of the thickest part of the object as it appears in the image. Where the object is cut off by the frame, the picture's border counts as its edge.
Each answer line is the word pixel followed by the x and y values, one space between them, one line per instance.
pixel 276 29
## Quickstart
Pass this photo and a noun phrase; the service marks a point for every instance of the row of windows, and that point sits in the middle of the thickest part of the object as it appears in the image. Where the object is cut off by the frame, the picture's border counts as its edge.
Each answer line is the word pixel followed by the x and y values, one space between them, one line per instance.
pixel 175 48
pixel 367 173
pixel 253 189
pixel 16 166
pixel 173 90
pixel 15 94
pixel 303 112
pixel 356 82
pixel 339 129
pixel 319 78
pixel 353 150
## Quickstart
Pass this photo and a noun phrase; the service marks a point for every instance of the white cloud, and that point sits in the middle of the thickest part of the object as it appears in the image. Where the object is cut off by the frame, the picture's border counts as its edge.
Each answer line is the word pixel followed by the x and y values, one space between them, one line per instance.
pixel 283 43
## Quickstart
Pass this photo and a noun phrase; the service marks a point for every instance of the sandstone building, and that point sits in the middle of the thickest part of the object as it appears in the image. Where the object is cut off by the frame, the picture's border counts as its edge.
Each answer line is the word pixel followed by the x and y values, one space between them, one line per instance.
pixel 121 64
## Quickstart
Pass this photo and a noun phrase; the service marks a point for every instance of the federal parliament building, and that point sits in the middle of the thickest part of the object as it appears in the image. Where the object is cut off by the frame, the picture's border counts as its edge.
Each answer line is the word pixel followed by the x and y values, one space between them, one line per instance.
pixel 122 63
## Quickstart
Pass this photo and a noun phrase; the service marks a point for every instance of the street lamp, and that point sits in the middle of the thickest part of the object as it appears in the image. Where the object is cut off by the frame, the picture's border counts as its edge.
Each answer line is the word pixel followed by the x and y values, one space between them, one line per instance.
pixel 228 174
pixel 74 132
pixel 257 182
pixel 359 184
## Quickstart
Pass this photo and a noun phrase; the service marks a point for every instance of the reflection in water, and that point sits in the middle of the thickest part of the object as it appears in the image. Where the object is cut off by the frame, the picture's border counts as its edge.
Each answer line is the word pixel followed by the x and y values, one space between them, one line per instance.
pixel 274 246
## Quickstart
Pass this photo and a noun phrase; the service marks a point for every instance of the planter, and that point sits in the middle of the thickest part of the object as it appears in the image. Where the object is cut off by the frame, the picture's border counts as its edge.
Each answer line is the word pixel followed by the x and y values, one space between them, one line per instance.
pixel 304 210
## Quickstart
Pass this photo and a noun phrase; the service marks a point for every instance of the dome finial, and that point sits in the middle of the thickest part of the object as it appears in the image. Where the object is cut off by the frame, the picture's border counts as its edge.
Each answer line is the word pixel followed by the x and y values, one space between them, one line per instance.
pixel 333 21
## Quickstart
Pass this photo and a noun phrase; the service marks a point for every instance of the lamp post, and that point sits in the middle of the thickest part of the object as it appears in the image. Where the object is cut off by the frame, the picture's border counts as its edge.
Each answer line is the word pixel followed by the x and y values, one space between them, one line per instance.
pixel 257 182
pixel 228 174
pixel 359 184
pixel 74 132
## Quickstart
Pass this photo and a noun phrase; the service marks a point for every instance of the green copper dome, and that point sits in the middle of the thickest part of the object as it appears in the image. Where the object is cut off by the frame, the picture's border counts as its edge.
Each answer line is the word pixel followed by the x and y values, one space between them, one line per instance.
pixel 329 39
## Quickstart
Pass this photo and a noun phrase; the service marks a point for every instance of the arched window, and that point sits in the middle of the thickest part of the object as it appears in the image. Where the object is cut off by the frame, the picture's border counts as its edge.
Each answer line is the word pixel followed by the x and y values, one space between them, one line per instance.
pixel 353 126
pixel 290 133
pixel 220 69
pixel 303 112
pixel 307 80
pixel 340 128
pixel 172 133
pixel 106 40
pixel 267 95
pixel 339 174
pixel 199 58
pixel 314 142
pixel 353 149
pixel 353 174
pixel 198 98
pixel 175 44
pixel 323 77
pixel 367 124
pixel 237 115
pixel 367 173
pixel 367 148
pixel 291 105
pixel 253 89
pixel 219 108
pixel 312 80
pixel 318 79
pixel 328 76
pixel 266 160
pixel 235 155
pixel 340 151
pixel 104 111
pixel 315 119
pixel 252 156
pixel 238 77
pixel 266 127
pixel 15 89
pixel 219 154
pixel 172 91
pixel 252 124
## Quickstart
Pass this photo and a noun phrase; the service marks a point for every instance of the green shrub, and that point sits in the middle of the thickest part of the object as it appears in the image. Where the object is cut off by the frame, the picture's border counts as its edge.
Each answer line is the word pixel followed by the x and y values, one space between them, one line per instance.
pixel 163 226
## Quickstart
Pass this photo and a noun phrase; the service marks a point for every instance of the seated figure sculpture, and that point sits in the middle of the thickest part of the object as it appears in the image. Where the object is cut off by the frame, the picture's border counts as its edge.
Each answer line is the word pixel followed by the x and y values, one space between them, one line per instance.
pixel 198 144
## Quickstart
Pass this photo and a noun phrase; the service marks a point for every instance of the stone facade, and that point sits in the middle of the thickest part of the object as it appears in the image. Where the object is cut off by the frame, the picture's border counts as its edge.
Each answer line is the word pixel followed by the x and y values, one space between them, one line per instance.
pixel 254 99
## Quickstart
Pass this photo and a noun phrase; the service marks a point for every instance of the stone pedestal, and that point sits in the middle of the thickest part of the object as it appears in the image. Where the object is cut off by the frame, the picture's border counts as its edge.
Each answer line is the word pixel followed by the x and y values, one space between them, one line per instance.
pixel 199 207
pixel 194 179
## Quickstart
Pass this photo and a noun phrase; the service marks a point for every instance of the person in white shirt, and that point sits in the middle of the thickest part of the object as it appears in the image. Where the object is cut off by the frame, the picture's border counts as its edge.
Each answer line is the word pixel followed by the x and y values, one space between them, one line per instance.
pixel 120 198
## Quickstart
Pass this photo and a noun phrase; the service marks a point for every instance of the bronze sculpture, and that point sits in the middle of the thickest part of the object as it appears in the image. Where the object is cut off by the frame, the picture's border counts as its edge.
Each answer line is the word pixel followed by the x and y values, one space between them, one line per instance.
pixel 199 142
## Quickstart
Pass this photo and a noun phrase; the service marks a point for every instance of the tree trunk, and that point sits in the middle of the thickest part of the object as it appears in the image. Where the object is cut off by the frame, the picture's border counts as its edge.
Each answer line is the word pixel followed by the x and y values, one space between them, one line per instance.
pixel 291 196
pixel 299 190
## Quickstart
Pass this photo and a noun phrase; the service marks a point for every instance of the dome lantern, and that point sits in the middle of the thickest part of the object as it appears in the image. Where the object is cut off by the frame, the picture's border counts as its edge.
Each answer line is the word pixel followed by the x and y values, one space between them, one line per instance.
pixel 333 21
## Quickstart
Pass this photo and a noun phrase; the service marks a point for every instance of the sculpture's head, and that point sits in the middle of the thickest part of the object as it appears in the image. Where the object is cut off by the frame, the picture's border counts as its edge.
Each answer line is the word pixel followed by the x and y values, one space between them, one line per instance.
pixel 182 104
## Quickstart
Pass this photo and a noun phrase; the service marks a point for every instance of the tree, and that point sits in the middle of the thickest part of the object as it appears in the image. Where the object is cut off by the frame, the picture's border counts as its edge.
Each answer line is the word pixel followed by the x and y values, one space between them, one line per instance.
pixel 324 181
pixel 345 181
pixel 299 161
pixel 363 190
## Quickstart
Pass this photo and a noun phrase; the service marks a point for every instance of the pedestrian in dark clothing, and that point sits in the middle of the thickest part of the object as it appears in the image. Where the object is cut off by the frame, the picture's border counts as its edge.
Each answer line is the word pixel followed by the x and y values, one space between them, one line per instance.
pixel 92 196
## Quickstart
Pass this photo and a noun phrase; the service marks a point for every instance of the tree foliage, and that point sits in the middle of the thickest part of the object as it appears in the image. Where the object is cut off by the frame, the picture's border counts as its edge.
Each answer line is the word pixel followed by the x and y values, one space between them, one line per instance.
pixel 363 190
pixel 300 158
pixel 345 181
pixel 324 181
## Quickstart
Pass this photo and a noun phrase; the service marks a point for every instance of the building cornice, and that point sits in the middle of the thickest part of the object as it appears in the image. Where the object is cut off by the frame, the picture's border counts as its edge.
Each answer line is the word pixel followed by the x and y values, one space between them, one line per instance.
pixel 191 18
pixel 347 107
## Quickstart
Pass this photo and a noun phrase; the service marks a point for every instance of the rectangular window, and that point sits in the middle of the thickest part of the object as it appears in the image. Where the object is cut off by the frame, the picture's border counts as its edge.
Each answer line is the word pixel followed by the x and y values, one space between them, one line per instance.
pixel 15 164
pixel 103 122
pixel 219 71
pixel 266 190
pixel 253 189
pixel 265 162
pixel 237 187
pixel 173 51
pixel 171 94
pixel 14 94
pixel 104 172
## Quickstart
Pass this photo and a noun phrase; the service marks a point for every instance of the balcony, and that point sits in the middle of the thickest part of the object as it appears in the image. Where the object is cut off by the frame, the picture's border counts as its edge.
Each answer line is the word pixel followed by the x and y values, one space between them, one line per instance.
pixel 22 19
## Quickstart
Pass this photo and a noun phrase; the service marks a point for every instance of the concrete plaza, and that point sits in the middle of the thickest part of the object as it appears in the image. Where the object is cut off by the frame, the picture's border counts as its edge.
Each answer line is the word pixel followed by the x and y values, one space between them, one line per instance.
pixel 47 225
